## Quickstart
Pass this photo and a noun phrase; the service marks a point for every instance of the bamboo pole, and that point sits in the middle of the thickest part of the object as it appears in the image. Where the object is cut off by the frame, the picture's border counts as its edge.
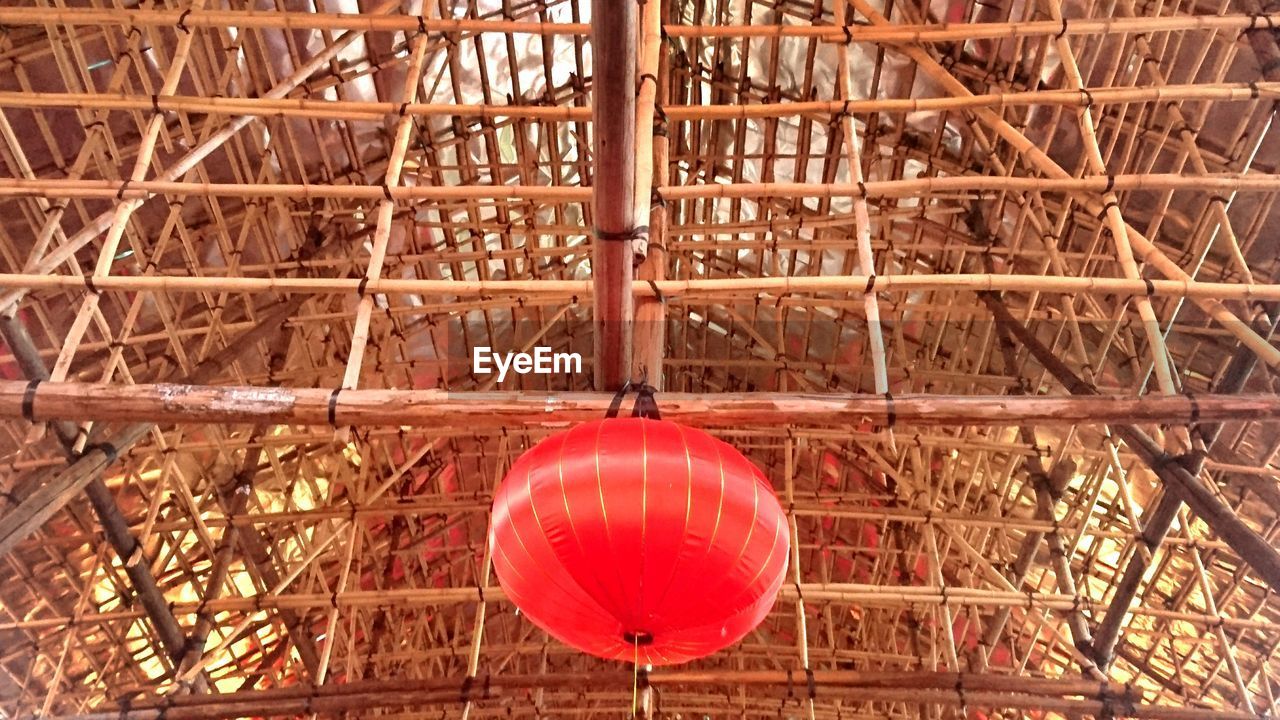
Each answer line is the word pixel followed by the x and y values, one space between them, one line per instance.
pixel 433 408
pixel 613 182
pixel 932 32
pixel 893 597
pixel 682 290
pixel 946 689
pixel 139 191
pixel 650 211
pixel 382 231
pixel 797 577
pixel 482 580
pixel 369 110
pixel 861 215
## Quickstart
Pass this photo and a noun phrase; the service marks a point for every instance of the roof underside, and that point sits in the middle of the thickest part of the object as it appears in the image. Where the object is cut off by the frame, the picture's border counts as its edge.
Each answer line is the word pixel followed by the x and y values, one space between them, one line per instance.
pixel 309 591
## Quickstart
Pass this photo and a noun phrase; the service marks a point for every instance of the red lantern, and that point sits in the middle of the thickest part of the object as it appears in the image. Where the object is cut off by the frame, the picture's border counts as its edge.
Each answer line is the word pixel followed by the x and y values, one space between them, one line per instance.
pixel 639 540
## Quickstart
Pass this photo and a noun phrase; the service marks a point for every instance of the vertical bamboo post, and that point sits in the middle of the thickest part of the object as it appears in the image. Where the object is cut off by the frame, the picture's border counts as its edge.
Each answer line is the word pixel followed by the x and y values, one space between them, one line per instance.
pixel 650 211
pixel 613 179
pixel 485 572
pixel 382 231
pixel 802 623
pixel 861 215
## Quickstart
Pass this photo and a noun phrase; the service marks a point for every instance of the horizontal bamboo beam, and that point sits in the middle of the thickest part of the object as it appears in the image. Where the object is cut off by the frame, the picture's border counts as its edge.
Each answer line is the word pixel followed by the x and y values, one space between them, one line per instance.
pixel 961 690
pixel 579 291
pixel 936 32
pixel 143 189
pixel 861 594
pixel 183 404
pixel 307 107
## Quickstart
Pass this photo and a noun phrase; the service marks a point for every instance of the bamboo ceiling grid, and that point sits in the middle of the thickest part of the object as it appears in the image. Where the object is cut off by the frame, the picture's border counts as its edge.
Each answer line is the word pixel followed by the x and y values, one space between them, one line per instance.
pixel 987 288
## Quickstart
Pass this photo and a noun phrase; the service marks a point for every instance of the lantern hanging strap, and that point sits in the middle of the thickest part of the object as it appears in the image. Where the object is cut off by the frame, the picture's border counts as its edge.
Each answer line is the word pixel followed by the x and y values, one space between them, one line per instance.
pixel 646 404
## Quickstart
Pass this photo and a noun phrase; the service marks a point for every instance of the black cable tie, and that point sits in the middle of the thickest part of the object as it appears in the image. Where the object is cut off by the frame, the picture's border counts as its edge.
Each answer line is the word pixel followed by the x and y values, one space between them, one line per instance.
pixel 362 286
pixel 333 407
pixel 657 293
pixel 813 685
pixel 790 689
pixel 1102 214
pixel 1063 31
pixel 892 414
pixel 123 187
pixel 1088 96
pixel 1111 184
pixel 848 34
pixel 871 285
pixel 616 404
pixel 422 25
pixel 1195 407
pixel 88 284
pixel 29 401
pixel 386 192
pixel 102 123
pixel 649 76
pixel 155 104
pixel 636 233
pixel 105 448
pixel 464 694
pixel 182 21
pixel 1151 287
pixel 1254 91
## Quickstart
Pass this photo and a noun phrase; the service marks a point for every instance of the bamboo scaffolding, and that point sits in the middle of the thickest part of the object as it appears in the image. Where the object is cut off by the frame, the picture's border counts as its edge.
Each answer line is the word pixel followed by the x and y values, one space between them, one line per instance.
pixel 944 32
pixel 304 107
pixel 1251 547
pixel 781 212
pixel 178 169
